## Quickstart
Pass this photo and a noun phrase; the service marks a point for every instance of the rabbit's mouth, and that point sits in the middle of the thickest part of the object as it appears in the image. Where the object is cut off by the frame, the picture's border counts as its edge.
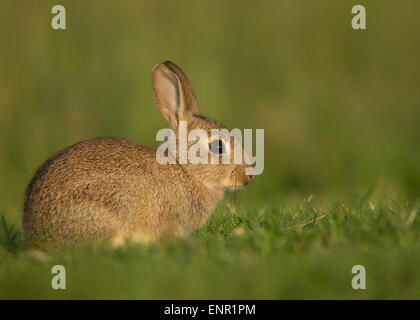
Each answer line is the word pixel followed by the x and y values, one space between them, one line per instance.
pixel 237 185
pixel 238 179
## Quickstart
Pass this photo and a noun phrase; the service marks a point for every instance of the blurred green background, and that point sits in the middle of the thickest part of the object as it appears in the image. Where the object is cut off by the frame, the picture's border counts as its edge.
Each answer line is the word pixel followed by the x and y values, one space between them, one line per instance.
pixel 340 108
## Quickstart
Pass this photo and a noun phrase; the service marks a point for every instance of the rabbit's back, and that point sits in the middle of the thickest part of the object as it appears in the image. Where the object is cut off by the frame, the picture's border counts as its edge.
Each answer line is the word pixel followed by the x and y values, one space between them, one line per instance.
pixel 102 188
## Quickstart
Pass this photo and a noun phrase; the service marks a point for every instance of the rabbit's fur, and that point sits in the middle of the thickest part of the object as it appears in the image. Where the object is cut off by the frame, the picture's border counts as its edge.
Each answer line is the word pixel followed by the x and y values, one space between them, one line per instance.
pixel 111 189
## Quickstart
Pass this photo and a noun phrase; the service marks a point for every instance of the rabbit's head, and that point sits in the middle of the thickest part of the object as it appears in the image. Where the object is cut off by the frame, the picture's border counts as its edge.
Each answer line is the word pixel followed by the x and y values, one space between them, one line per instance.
pixel 215 157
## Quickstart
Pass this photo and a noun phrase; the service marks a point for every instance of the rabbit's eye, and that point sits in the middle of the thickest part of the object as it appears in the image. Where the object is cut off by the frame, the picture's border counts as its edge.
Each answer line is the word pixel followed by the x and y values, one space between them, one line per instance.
pixel 217 146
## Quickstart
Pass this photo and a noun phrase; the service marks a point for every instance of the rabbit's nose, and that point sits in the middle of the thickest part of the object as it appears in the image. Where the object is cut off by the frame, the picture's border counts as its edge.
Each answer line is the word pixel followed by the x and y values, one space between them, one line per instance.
pixel 251 176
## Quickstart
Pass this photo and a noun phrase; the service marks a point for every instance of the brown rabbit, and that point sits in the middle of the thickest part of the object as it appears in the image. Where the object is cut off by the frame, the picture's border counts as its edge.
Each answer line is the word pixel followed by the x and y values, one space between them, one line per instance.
pixel 111 189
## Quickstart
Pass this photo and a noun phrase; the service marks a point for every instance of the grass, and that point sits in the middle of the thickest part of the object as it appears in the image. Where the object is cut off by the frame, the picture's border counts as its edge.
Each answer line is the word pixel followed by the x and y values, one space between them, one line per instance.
pixel 339 109
pixel 11 240
pixel 270 252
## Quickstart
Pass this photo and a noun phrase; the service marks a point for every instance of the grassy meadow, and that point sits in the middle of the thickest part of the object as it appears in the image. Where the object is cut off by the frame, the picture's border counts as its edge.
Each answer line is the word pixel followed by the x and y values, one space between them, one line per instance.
pixel 340 109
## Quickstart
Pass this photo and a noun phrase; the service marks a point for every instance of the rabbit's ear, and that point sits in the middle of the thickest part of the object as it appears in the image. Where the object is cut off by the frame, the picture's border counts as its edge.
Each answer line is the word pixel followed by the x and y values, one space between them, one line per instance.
pixel 173 93
pixel 191 104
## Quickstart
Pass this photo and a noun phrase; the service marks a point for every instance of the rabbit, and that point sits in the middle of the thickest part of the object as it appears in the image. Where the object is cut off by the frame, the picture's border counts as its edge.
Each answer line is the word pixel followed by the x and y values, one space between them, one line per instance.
pixel 113 190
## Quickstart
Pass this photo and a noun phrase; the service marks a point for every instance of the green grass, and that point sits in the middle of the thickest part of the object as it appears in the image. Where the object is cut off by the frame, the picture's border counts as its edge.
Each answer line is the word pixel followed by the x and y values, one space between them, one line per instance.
pixel 340 109
pixel 266 252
